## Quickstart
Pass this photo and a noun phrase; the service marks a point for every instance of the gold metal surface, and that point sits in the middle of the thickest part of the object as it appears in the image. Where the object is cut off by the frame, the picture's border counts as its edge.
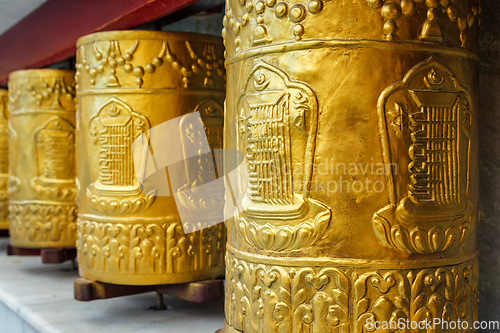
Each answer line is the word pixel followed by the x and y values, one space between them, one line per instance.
pixel 4 160
pixel 358 199
pixel 128 83
pixel 42 210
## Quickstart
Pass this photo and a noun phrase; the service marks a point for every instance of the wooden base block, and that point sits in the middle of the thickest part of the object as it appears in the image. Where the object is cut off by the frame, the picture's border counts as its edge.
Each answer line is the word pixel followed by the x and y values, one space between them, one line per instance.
pixel 4 233
pixel 49 256
pixel 57 256
pixel 22 251
pixel 220 331
pixel 88 290
pixel 198 292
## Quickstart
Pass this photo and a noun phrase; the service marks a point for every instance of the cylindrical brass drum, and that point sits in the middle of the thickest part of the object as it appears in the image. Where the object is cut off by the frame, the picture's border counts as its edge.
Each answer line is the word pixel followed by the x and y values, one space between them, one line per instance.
pixel 357 197
pixel 135 89
pixel 42 210
pixel 4 160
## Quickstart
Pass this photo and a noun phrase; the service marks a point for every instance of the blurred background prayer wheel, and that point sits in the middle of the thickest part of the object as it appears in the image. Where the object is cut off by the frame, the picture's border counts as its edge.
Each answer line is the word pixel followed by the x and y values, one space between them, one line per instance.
pixel 42 210
pixel 4 160
pixel 357 198
pixel 134 87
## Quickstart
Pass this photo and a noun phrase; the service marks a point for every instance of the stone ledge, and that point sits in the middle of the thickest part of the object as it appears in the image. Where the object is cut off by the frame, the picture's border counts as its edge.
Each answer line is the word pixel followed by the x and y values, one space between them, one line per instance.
pixel 39 298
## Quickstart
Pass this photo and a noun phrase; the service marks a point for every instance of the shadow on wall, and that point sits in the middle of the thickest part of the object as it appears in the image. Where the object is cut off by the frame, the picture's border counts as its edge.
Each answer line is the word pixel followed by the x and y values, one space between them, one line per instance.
pixel 205 22
pixel 489 133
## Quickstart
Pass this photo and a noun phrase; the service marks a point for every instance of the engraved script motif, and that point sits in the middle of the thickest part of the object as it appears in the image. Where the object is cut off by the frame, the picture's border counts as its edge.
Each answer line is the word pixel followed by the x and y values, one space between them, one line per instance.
pixel 277 211
pixel 54 144
pixel 115 189
pixel 430 210
pixel 212 115
pixel 202 196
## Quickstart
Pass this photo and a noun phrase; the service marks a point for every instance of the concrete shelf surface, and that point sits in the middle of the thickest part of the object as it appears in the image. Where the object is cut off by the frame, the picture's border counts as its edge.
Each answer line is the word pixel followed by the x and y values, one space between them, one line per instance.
pixel 39 298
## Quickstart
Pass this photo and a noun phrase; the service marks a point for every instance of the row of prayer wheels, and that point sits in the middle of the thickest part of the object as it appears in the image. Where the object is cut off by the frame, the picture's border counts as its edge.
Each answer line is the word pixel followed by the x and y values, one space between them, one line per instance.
pixel 87 178
pixel 349 181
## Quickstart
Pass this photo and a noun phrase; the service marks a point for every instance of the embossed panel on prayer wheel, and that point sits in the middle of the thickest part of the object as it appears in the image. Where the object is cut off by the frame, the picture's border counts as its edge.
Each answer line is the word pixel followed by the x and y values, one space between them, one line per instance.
pixel 356 199
pixel 135 89
pixel 4 160
pixel 41 168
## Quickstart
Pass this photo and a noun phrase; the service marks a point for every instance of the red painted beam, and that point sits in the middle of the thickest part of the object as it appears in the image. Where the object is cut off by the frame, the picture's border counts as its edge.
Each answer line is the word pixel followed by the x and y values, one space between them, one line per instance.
pixel 49 33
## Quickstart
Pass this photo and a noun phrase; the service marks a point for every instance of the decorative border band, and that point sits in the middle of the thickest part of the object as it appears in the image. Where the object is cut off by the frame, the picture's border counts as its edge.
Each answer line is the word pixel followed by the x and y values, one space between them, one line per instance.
pixel 274 298
pixel 43 111
pixel 354 43
pixel 350 262
pixel 153 91
pixel 42 224
pixel 149 253
pixel 120 220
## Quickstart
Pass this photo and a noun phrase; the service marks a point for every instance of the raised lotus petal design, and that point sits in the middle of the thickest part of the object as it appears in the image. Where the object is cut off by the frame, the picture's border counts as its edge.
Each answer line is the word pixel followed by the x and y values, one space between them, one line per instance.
pixel 280 236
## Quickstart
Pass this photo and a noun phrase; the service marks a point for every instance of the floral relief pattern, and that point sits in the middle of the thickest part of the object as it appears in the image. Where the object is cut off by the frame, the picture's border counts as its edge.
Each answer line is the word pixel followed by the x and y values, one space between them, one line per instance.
pixel 148 248
pixel 274 298
pixel 43 222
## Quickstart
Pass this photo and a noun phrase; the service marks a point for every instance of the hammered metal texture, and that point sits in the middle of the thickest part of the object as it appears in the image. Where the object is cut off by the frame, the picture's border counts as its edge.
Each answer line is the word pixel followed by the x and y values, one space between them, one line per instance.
pixel 129 82
pixel 41 177
pixel 358 125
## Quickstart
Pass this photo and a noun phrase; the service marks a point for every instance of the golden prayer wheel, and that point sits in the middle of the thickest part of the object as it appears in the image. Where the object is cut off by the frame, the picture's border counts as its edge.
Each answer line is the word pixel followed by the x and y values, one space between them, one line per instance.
pixel 41 177
pixel 356 202
pixel 4 160
pixel 136 90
